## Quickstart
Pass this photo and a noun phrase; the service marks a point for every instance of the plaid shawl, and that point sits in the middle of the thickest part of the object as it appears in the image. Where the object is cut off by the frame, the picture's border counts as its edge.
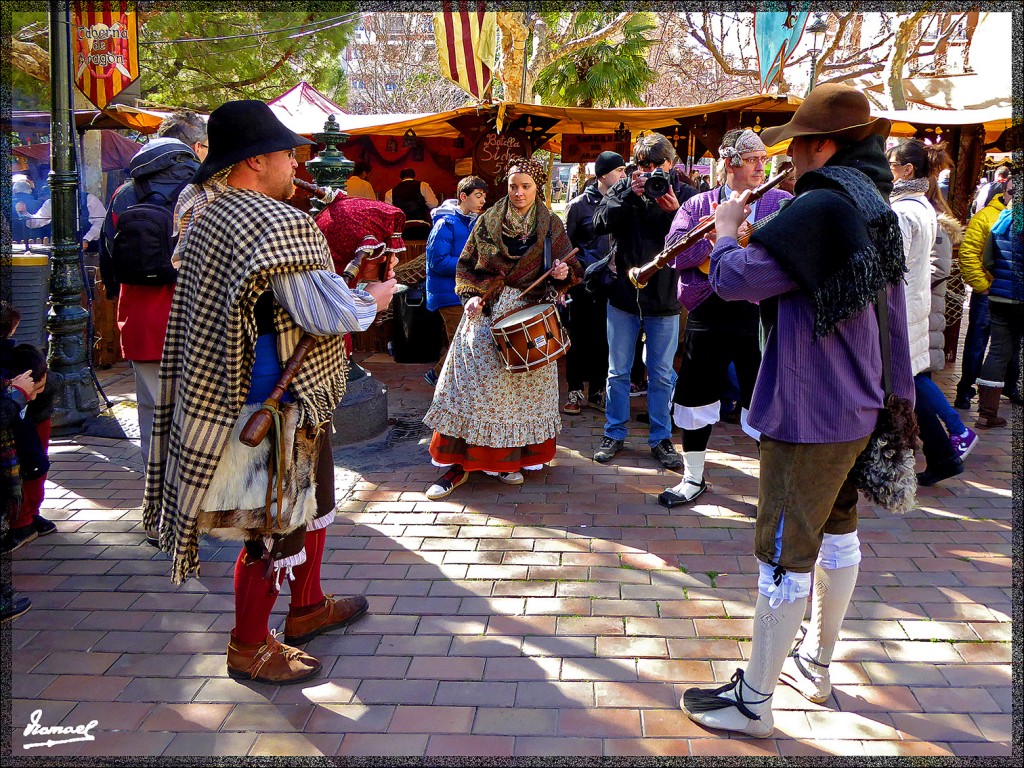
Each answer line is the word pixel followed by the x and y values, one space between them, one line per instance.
pixel 485 266
pixel 242 238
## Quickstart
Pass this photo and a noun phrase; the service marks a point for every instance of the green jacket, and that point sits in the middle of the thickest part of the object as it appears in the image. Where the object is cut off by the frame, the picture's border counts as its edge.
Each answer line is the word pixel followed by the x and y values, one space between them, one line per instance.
pixel 973 245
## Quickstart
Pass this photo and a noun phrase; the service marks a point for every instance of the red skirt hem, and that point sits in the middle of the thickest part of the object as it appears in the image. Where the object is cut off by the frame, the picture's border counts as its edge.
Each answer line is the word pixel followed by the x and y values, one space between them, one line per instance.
pixel 445 449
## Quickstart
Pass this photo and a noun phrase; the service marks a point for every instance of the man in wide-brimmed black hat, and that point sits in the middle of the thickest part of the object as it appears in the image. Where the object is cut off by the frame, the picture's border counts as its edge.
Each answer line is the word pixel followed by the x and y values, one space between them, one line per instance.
pixel 816 270
pixel 255 274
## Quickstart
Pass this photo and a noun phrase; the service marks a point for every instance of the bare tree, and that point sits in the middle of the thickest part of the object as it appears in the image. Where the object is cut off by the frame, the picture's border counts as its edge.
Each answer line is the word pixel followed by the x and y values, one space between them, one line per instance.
pixel 392 67
pixel 918 40
pixel 688 73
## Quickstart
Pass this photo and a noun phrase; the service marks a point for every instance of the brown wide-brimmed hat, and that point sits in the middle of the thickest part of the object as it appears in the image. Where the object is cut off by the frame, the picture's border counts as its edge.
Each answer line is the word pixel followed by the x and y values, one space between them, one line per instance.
pixel 833 110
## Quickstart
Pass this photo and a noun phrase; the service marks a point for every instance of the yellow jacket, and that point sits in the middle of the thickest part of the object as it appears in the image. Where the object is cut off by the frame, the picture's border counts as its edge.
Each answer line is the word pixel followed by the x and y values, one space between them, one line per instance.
pixel 973 245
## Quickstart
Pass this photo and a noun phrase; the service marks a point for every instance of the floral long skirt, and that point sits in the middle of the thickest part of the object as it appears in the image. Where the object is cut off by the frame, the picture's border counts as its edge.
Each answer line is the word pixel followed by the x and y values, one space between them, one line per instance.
pixel 485 418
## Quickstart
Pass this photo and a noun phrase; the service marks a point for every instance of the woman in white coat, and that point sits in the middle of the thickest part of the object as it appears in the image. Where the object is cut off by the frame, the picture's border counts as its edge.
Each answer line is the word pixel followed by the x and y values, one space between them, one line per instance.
pixel 927 248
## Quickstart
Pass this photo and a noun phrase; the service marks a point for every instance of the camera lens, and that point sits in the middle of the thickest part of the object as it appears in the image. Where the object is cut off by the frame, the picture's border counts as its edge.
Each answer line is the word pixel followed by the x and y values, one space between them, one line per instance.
pixel 657 185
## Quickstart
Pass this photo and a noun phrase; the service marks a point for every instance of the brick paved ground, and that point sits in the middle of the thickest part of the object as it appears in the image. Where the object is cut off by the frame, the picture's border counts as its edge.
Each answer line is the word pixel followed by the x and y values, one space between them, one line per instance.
pixel 564 617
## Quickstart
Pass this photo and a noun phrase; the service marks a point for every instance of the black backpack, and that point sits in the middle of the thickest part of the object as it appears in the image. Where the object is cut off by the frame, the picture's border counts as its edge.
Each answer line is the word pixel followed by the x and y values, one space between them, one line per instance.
pixel 143 239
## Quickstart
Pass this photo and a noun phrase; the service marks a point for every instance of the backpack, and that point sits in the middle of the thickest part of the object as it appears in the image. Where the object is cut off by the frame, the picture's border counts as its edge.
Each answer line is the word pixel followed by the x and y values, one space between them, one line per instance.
pixel 143 239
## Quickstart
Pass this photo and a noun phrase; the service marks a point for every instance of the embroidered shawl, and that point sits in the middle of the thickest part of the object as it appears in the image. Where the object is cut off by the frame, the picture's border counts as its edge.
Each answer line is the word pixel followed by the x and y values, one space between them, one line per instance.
pixel 485 266
pixel 232 250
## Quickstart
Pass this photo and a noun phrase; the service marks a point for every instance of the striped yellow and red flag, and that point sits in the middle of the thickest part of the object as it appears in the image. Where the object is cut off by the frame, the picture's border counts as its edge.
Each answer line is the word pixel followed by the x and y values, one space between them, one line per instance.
pixel 104 41
pixel 466 43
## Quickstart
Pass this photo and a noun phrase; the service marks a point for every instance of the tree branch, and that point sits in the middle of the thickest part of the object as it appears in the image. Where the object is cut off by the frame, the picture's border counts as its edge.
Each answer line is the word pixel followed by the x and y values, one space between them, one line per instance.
pixel 31 59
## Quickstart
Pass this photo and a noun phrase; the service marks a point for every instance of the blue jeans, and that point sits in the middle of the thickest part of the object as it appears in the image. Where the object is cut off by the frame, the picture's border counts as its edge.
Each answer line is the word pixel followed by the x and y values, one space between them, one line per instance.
pixel 928 392
pixel 662 338
pixel 979 326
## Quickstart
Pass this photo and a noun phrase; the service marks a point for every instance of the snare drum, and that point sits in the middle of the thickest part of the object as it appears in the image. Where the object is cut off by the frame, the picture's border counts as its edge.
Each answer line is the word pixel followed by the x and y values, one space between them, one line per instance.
pixel 530 337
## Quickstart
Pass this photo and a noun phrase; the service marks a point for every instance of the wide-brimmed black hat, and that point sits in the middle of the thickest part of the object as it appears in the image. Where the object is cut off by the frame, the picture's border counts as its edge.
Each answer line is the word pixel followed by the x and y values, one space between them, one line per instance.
pixel 238 130
pixel 833 110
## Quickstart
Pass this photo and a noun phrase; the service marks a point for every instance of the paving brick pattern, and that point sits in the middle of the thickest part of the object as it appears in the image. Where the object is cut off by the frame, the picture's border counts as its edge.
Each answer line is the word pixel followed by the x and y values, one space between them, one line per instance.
pixel 562 617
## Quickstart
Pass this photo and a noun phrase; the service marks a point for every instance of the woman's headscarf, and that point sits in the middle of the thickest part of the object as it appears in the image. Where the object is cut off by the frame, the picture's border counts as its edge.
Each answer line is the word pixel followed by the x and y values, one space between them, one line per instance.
pixel 518 225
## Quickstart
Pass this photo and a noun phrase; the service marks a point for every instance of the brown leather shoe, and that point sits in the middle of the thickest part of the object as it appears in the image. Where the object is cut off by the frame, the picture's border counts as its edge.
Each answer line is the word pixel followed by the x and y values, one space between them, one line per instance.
pixel 269 662
pixel 331 615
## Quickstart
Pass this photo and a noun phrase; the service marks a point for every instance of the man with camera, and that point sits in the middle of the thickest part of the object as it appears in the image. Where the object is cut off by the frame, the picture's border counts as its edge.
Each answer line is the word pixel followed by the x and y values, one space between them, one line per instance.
pixel 637 213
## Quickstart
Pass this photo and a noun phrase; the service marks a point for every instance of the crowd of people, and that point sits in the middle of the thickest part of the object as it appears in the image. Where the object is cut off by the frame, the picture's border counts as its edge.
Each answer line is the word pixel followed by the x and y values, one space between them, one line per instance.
pixel 811 307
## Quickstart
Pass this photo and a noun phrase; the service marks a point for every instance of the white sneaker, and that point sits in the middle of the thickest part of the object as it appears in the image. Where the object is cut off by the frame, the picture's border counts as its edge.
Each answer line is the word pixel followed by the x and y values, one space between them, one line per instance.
pixel 509 478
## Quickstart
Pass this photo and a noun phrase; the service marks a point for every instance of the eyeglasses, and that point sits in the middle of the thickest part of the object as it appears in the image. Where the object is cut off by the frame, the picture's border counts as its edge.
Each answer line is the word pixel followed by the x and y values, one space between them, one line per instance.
pixel 758 159
pixel 204 146
pixel 649 164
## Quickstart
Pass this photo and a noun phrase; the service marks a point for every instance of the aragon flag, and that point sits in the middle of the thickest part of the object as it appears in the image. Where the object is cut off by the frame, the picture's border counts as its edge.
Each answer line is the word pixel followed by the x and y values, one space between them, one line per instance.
pixel 466 44
pixel 105 50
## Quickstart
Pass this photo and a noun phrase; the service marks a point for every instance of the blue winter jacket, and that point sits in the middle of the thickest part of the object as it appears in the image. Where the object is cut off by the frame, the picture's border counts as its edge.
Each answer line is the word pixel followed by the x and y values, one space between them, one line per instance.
pixel 1006 260
pixel 444 246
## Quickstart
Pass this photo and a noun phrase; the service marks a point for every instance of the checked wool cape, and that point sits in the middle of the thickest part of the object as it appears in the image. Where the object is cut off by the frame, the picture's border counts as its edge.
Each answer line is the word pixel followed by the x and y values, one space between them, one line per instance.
pixel 234 247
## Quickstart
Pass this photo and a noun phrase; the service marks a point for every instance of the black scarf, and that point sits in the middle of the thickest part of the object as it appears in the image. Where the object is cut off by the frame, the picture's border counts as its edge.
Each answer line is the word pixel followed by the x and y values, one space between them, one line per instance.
pixel 838 239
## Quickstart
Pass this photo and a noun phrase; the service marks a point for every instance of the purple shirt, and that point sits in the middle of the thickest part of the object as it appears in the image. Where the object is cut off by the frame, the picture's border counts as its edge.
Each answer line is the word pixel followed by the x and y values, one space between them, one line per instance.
pixel 809 390
pixel 694 286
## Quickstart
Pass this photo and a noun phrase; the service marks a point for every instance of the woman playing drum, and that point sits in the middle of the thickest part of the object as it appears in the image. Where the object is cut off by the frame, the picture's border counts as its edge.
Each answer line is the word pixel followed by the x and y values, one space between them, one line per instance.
pixel 484 417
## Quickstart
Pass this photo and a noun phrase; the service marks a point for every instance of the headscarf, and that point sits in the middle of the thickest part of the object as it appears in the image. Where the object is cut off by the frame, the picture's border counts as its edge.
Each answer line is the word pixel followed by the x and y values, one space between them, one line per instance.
pixel 521 226
pixel 748 141
pixel 530 167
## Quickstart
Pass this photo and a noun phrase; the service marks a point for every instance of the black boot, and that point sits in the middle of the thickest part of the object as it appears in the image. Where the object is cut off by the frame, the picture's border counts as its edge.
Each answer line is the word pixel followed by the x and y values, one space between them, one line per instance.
pixel 944 471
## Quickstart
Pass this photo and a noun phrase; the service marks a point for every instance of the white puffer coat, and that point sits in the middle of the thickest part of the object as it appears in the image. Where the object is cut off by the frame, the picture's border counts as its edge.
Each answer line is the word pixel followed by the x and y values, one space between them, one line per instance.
pixel 918 225
pixel 949 235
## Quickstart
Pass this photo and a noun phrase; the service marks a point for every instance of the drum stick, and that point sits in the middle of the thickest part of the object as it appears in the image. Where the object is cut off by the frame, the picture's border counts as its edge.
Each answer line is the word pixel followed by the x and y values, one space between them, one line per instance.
pixel 568 257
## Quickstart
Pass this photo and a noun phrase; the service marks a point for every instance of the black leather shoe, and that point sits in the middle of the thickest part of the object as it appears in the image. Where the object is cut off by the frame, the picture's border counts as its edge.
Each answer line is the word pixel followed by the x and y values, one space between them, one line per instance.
pixel 946 470
pixel 671 497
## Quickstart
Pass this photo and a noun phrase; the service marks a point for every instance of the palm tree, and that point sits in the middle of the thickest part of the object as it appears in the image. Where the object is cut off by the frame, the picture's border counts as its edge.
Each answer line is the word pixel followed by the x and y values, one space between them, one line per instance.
pixel 605 74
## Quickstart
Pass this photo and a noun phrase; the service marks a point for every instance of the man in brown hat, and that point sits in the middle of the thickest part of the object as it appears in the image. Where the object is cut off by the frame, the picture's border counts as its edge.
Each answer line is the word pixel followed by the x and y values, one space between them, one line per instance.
pixel 255 274
pixel 815 270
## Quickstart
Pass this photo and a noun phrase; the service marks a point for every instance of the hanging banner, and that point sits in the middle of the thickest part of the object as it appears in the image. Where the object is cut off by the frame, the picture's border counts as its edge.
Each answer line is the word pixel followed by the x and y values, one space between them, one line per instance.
pixel 466 40
pixel 776 34
pixel 105 48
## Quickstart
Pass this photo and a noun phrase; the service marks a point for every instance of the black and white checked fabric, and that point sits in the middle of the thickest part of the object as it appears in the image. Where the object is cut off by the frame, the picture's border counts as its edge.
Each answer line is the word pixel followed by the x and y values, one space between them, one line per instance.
pixel 234 247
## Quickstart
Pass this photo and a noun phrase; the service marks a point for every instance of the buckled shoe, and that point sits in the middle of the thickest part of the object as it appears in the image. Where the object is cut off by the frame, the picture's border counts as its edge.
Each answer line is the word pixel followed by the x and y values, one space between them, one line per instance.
pixel 270 661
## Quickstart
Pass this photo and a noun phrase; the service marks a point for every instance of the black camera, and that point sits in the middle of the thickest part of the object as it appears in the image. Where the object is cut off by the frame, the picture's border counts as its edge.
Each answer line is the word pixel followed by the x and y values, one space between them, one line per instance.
pixel 657 184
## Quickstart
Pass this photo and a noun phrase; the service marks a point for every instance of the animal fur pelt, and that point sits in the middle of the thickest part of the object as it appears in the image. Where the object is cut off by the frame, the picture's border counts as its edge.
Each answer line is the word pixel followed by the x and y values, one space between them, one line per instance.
pixel 234 504
pixel 884 471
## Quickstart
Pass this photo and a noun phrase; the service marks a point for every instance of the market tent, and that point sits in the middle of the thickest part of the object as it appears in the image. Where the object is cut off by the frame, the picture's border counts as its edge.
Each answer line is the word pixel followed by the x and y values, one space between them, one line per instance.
pixel 557 120
pixel 304 109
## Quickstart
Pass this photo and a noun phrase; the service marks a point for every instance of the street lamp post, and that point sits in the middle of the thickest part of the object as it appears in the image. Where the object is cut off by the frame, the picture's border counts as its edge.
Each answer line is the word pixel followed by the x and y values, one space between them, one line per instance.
pixel 817 28
pixel 75 400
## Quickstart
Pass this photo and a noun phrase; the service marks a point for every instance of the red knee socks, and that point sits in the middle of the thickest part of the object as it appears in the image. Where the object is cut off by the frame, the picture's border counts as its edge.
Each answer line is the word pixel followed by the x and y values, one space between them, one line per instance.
pixel 306 591
pixel 254 599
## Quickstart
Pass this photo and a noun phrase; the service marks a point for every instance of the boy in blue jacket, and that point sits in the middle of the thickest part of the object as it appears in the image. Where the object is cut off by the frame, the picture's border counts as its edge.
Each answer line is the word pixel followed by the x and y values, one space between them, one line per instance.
pixel 453 221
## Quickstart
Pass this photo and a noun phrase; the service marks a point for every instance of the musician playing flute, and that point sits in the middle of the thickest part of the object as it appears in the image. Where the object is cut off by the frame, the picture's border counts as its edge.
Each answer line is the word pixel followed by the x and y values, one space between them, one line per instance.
pixel 817 270
pixel 484 417
pixel 255 274
pixel 718 332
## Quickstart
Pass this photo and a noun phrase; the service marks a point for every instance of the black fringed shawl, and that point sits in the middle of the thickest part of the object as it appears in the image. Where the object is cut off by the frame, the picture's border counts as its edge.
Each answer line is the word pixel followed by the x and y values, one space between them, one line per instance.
pixel 840 242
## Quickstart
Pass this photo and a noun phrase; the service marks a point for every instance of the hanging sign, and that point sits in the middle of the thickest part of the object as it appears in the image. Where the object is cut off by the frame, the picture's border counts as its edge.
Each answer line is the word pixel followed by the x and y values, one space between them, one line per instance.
pixel 493 150
pixel 105 49
pixel 584 148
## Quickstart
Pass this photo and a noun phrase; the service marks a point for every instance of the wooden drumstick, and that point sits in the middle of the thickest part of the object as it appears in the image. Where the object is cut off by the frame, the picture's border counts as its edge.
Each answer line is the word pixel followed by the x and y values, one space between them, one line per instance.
pixel 256 428
pixel 568 257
